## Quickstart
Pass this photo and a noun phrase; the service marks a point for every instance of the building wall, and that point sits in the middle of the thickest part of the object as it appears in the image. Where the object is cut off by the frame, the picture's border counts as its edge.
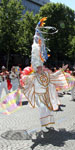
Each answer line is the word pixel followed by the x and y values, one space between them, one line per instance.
pixel 30 6
pixel 34 5
pixel 40 2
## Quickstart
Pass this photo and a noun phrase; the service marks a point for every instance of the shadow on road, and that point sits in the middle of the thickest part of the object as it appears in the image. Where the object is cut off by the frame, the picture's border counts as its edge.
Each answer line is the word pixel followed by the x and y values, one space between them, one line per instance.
pixel 73 100
pixel 53 137
pixel 24 103
pixel 16 135
pixel 56 138
pixel 62 105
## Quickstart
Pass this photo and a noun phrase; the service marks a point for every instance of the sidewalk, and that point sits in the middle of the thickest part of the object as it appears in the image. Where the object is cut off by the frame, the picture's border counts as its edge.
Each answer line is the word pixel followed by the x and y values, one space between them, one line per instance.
pixel 15 129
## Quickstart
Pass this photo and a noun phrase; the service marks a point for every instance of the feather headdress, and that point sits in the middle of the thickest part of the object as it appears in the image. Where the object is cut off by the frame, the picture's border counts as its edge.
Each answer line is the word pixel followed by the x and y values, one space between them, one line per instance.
pixel 39 53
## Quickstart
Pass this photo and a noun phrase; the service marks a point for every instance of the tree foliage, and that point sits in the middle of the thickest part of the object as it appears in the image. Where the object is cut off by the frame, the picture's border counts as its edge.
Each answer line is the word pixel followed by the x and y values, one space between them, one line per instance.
pixel 16 29
pixel 10 19
pixel 27 31
pixel 61 17
pixel 71 52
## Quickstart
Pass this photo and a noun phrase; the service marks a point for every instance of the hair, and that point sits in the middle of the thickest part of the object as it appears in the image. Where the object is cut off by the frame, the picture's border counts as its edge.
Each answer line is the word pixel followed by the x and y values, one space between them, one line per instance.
pixel 73 73
pixel 3 67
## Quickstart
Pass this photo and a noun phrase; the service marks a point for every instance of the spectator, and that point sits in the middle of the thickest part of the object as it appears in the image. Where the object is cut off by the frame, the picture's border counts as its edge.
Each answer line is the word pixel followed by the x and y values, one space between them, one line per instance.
pixel 14 78
pixel 68 70
pixel 3 85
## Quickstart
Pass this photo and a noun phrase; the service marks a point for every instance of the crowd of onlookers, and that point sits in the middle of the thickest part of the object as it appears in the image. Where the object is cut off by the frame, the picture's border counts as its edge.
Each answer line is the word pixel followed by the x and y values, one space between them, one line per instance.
pixel 68 70
pixel 9 80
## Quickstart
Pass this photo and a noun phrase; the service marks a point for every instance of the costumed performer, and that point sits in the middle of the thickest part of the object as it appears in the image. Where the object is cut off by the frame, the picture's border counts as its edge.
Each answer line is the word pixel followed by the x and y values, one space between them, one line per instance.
pixel 37 87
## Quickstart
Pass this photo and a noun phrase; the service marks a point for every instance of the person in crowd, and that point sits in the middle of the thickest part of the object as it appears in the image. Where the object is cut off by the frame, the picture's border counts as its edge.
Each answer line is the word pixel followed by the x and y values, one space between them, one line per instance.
pixel 55 69
pixel 4 74
pixel 20 68
pixel 14 78
pixel 68 70
pixel 73 89
pixel 9 85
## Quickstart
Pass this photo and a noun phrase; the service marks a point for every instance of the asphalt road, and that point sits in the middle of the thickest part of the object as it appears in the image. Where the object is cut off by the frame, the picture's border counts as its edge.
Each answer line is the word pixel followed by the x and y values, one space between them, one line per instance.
pixel 18 130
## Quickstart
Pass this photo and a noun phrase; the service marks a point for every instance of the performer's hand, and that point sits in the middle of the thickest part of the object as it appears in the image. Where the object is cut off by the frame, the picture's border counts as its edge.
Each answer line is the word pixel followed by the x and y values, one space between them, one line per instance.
pixel 65 67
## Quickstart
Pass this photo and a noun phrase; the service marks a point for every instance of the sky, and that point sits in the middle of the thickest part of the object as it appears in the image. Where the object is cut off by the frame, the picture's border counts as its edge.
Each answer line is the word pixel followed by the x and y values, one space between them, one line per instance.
pixel 69 3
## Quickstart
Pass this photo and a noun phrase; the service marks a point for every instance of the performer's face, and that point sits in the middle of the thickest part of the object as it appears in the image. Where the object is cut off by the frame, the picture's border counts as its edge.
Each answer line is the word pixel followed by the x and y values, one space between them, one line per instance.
pixel 39 69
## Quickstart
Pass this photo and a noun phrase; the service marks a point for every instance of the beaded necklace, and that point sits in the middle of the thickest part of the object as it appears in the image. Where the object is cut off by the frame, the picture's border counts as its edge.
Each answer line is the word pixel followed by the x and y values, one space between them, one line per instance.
pixel 43 79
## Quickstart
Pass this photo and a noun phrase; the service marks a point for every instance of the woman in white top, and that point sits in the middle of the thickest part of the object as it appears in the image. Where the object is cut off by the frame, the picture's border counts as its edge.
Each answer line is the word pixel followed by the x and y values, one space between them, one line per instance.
pixel 14 79
pixel 3 84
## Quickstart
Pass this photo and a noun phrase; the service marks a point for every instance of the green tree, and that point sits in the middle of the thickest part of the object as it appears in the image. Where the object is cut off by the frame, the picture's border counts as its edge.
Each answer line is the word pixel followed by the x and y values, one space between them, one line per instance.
pixel 71 52
pixel 27 30
pixel 16 29
pixel 10 19
pixel 61 17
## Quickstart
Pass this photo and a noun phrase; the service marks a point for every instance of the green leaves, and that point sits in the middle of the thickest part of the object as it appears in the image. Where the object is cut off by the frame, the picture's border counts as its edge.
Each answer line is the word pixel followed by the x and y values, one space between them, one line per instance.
pixel 61 17
pixel 16 29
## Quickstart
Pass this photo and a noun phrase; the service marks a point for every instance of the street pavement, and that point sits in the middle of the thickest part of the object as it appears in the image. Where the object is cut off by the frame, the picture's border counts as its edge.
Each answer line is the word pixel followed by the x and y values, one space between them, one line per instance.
pixel 18 130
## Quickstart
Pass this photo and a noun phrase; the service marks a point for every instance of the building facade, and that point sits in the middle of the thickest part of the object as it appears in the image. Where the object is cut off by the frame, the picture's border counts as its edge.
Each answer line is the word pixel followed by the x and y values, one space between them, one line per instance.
pixel 34 5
